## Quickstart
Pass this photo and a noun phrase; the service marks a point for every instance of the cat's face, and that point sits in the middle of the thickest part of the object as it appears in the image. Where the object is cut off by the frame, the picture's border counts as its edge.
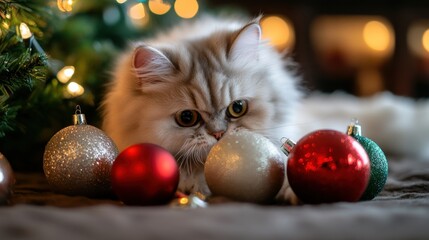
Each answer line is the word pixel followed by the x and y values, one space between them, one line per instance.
pixel 185 97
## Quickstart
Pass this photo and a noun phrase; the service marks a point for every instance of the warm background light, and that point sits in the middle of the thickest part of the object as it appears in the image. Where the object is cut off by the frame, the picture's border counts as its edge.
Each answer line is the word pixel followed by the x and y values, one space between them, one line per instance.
pixel 137 11
pixel 121 1
pixel 357 40
pixel 418 38
pixel 25 31
pixel 159 6
pixel 376 35
pixel 425 40
pixel 278 31
pixel 186 8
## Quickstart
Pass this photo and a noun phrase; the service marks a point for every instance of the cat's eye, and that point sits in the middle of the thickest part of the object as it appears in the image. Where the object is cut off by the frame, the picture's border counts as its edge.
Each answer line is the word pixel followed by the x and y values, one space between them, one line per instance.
pixel 187 118
pixel 237 109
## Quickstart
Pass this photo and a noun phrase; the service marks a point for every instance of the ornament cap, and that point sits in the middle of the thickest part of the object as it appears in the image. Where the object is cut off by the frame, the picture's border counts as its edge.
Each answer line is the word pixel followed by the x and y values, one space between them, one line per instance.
pixel 287 146
pixel 78 117
pixel 354 129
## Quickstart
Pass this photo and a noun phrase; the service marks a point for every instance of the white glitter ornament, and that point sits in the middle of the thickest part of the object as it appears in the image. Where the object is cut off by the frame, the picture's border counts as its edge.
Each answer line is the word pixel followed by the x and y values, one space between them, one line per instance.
pixel 78 159
pixel 245 166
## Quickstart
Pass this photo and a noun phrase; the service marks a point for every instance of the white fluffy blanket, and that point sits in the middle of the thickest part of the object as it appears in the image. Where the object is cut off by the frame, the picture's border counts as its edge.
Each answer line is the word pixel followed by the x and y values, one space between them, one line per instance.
pixel 399 125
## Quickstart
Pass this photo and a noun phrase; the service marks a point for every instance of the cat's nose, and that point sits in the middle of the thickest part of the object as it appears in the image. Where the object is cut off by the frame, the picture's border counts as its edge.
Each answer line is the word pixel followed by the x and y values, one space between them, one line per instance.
pixel 218 134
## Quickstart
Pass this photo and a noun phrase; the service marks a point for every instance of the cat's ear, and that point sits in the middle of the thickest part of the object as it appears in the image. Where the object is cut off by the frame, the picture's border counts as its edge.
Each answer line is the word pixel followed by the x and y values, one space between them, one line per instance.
pixel 245 45
pixel 151 66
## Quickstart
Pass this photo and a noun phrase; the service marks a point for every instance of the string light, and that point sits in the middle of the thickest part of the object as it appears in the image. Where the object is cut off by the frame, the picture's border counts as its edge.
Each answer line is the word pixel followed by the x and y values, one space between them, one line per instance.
pixel 159 7
pixel 25 31
pixel 74 89
pixel 65 5
pixel 186 8
pixel 65 74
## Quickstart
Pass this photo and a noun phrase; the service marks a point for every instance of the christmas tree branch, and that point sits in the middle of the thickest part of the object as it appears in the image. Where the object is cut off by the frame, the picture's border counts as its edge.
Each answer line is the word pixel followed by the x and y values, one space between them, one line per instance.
pixel 20 67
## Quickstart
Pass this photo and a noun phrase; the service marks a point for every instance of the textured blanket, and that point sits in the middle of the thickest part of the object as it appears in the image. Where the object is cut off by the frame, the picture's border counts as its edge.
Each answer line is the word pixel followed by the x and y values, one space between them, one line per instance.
pixel 400 211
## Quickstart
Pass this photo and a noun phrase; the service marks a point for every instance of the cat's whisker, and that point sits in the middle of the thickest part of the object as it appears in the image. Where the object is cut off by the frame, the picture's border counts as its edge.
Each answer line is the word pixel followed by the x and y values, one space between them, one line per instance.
pixel 190 155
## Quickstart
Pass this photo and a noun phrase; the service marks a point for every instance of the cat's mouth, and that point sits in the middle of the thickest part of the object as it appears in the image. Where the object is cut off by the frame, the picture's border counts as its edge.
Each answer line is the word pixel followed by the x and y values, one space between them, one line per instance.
pixel 194 151
pixel 192 156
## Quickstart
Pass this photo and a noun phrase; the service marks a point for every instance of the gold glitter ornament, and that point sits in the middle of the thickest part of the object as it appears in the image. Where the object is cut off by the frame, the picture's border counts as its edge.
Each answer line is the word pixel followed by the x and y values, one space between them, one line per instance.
pixel 78 159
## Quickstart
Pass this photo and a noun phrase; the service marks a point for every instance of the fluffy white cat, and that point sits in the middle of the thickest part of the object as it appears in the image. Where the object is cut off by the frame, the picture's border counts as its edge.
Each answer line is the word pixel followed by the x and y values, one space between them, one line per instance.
pixel 186 88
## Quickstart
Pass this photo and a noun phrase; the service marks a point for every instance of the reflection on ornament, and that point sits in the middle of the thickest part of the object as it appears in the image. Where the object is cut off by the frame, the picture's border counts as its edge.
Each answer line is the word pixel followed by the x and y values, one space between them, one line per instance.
pixel 145 174
pixel 65 5
pixel 186 8
pixel 78 159
pixel 25 31
pixel 7 180
pixel 245 166
pixel 65 74
pixel 378 162
pixel 195 200
pixel 159 6
pixel 327 166
pixel 121 1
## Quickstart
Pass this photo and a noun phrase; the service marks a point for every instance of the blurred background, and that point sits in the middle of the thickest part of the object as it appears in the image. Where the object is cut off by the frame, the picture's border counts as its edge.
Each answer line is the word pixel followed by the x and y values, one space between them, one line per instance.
pixel 362 47
pixel 56 54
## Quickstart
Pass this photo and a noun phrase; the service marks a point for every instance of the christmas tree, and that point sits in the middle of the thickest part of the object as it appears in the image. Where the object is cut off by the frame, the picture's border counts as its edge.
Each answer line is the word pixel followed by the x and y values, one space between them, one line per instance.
pixel 55 55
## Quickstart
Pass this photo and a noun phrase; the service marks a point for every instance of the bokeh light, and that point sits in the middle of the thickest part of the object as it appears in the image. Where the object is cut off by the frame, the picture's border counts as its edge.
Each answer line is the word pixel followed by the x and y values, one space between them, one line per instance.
pixel 186 8
pixel 65 74
pixel 376 35
pixel 425 40
pixel 74 89
pixel 159 7
pixel 137 11
pixel 278 31
pixel 65 5
pixel 418 38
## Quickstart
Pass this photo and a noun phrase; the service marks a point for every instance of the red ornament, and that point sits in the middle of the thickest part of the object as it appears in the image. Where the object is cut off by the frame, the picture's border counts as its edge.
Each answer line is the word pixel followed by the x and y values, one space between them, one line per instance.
pixel 145 174
pixel 328 166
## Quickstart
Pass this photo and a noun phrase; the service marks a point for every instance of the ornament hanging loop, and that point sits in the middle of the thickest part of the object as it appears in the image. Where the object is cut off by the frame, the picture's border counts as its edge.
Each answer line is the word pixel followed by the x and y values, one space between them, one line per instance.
pixel 78 116
pixel 354 129
pixel 287 146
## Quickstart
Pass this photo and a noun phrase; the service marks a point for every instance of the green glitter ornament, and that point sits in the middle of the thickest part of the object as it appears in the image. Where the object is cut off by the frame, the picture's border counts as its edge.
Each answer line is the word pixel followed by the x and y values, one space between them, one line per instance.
pixel 378 162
